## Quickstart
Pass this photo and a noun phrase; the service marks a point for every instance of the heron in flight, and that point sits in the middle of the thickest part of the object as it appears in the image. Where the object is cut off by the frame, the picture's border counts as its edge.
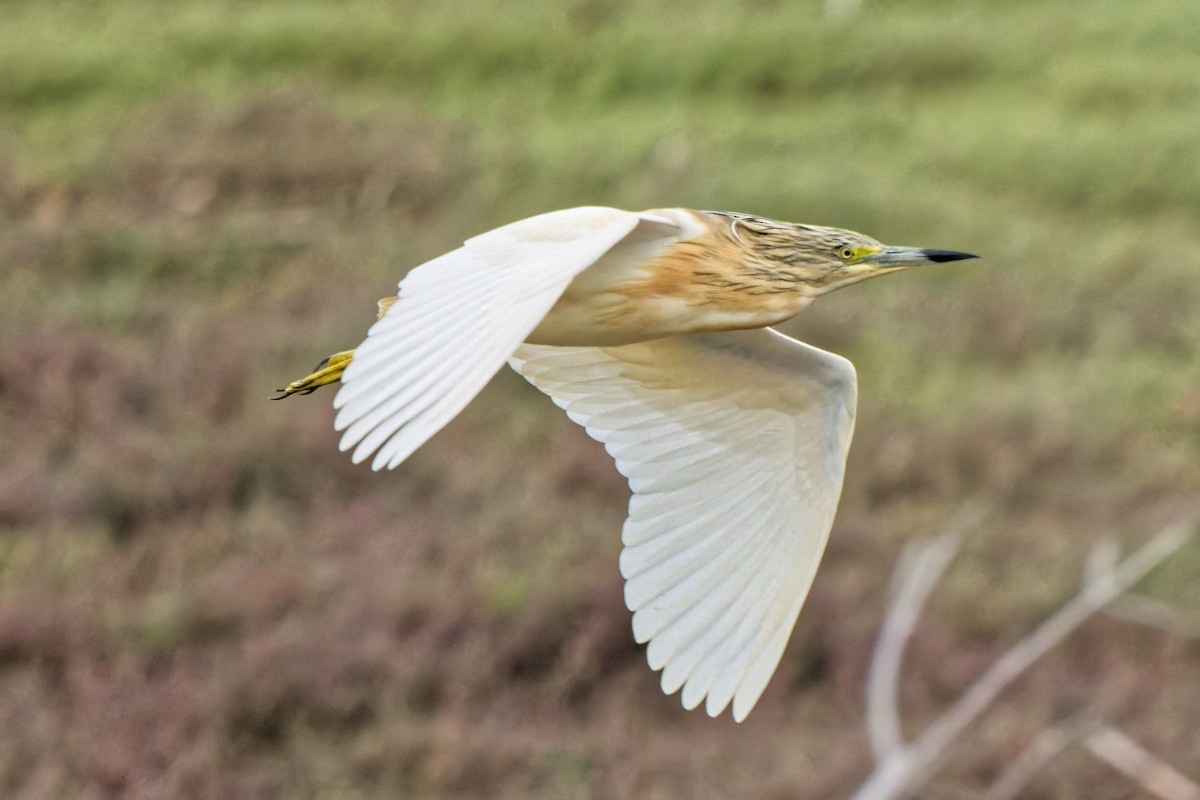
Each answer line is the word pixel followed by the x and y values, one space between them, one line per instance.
pixel 652 331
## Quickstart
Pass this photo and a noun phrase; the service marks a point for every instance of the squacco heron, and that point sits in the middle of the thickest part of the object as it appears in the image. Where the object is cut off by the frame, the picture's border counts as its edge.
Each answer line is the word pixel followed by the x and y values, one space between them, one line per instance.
pixel 651 330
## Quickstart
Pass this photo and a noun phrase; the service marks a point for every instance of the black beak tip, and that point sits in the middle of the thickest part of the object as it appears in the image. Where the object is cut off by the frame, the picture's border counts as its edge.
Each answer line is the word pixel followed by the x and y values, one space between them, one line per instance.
pixel 939 256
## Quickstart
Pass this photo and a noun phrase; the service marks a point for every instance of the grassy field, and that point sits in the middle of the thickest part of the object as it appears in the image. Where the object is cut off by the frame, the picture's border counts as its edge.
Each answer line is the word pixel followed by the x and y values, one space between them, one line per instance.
pixel 201 598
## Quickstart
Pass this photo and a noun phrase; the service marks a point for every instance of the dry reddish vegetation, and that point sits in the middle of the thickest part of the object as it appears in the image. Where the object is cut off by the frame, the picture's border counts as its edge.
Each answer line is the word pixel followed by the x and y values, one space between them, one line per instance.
pixel 201 598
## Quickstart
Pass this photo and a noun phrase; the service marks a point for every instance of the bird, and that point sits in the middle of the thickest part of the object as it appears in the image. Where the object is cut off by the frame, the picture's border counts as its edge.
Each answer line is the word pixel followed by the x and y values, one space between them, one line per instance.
pixel 652 330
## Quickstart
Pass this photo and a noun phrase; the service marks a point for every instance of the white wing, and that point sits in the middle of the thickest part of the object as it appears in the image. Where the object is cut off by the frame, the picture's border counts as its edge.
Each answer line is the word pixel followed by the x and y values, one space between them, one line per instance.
pixel 734 445
pixel 457 319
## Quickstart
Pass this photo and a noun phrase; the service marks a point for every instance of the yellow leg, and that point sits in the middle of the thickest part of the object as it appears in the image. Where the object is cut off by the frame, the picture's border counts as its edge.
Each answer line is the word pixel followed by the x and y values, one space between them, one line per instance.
pixel 328 371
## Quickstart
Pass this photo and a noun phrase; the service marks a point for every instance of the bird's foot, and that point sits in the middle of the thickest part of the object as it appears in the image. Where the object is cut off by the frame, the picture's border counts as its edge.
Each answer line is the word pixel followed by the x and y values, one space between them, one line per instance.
pixel 328 371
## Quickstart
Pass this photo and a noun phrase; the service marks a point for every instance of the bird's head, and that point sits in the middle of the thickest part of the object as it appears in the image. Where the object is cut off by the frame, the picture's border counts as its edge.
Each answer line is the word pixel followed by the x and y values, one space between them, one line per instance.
pixel 824 259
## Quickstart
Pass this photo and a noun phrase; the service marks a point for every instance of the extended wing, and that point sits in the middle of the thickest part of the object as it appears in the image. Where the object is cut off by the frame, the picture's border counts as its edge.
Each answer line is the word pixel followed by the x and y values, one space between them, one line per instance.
pixel 457 319
pixel 735 446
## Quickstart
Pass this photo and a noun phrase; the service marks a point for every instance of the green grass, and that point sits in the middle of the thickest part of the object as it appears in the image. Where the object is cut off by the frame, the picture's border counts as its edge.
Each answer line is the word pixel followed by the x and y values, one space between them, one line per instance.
pixel 199 200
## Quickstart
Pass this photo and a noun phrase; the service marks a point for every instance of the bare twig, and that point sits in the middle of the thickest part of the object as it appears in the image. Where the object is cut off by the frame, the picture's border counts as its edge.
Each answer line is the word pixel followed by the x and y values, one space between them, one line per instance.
pixel 1154 613
pixel 905 769
pixel 1136 608
pixel 1103 556
pixel 1044 748
pixel 920 568
pixel 1126 756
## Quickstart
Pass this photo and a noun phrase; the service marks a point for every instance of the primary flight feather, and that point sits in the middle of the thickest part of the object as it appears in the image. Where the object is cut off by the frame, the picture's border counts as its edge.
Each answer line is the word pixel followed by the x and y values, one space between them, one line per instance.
pixel 650 330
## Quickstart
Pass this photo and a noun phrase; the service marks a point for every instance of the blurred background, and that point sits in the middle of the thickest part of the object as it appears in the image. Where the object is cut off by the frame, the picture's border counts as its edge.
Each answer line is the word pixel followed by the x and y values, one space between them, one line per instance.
pixel 200 597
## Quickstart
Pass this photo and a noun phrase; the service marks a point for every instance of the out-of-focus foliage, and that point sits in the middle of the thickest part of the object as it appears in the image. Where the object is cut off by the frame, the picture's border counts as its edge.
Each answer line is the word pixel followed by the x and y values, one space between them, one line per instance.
pixel 200 597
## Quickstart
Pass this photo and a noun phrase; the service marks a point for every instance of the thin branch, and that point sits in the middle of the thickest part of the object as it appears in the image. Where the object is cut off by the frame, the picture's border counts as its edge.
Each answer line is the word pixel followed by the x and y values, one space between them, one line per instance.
pixel 1126 756
pixel 1045 748
pixel 920 568
pixel 1098 593
pixel 1103 556
pixel 1154 613
pixel 911 766
pixel 1138 609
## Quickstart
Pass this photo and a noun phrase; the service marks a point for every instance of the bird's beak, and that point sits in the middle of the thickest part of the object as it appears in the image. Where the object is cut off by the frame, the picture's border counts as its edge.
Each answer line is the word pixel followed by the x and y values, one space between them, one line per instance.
pixel 900 257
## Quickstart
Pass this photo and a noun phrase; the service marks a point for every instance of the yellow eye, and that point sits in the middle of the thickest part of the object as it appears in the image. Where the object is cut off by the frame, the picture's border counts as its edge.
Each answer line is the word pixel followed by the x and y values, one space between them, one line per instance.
pixel 846 253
